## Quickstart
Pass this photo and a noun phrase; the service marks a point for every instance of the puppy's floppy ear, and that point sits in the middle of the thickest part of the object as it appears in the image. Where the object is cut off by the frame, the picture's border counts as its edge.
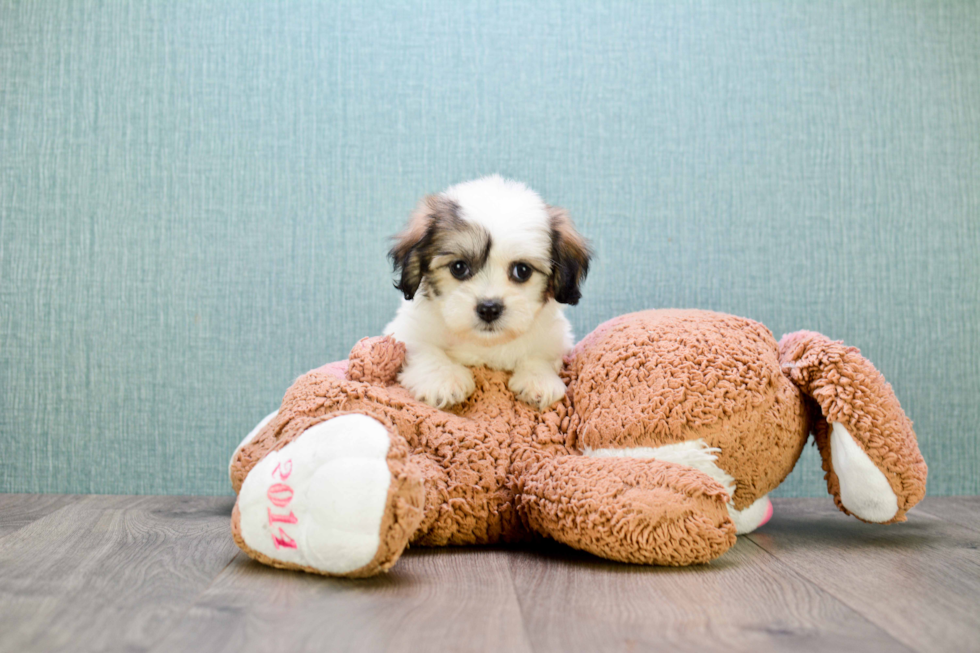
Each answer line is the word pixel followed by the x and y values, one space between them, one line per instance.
pixel 570 256
pixel 409 254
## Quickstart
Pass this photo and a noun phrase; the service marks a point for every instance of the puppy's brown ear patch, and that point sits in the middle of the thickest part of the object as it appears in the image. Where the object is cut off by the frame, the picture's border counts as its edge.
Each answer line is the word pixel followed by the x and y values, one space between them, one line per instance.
pixel 414 246
pixel 406 254
pixel 570 256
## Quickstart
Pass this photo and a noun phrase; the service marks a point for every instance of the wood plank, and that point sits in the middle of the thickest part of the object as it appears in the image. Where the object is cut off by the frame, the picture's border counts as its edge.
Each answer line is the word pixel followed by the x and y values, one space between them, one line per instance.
pixel 745 600
pixel 964 511
pixel 19 510
pixel 459 599
pixel 109 573
pixel 919 581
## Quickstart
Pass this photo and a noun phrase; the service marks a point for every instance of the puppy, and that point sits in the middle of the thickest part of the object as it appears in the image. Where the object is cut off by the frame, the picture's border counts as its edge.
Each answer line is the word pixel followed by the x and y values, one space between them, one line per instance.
pixel 484 267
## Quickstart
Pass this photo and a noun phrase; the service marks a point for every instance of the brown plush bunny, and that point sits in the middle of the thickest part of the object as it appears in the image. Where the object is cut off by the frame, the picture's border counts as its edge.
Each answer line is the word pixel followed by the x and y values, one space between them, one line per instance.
pixel 675 426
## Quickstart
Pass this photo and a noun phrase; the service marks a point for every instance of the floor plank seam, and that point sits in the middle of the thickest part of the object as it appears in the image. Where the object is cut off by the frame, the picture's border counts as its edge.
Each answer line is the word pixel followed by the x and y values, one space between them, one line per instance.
pixel 151 646
pixel 926 513
pixel 511 556
pixel 193 601
pixel 68 504
pixel 834 596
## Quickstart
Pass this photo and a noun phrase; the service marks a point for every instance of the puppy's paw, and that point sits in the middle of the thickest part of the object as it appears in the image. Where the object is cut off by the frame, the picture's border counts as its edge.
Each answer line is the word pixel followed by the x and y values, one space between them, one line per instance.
pixel 539 388
pixel 442 386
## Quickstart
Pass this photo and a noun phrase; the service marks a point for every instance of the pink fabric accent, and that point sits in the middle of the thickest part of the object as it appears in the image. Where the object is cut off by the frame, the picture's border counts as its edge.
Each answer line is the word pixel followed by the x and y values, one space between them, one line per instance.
pixel 284 541
pixel 337 369
pixel 286 519
pixel 765 520
pixel 287 469
pixel 280 494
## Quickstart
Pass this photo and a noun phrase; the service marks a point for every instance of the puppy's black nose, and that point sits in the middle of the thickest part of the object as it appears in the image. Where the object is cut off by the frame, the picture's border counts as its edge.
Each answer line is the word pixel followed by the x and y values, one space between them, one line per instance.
pixel 489 310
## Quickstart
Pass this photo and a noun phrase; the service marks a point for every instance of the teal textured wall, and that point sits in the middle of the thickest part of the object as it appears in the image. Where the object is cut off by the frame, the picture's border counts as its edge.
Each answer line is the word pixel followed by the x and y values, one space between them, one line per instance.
pixel 194 197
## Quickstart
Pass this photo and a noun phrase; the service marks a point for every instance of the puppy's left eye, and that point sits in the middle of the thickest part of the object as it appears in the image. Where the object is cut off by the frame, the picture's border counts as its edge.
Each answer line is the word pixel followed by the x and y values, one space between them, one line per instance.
pixel 459 269
pixel 520 272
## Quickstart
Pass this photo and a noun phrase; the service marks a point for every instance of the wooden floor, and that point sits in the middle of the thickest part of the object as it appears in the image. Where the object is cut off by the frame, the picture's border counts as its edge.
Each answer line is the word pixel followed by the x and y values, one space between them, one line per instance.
pixel 86 573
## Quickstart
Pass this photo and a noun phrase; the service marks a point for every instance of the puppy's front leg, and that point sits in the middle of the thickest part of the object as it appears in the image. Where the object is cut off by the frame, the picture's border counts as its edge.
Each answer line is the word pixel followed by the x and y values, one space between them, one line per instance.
pixel 431 376
pixel 536 382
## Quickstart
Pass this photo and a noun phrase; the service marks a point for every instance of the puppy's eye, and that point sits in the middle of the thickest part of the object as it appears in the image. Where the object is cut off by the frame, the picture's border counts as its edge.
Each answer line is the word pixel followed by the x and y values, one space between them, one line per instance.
pixel 520 272
pixel 459 269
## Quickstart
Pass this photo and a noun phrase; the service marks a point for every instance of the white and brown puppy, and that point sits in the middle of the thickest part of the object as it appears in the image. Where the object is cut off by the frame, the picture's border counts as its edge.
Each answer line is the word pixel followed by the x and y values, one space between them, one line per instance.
pixel 484 267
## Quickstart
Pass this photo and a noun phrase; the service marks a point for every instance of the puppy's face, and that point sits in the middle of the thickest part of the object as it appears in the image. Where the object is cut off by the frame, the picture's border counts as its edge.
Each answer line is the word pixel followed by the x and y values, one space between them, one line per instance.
pixel 489 254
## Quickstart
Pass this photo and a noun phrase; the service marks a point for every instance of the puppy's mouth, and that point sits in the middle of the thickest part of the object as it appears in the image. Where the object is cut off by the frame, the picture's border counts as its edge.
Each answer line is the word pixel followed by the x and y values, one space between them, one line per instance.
pixel 492 334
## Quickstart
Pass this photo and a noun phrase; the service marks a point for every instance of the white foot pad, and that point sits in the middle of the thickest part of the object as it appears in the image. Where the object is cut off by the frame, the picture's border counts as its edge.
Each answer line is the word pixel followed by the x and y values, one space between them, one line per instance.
pixel 864 490
pixel 752 517
pixel 319 501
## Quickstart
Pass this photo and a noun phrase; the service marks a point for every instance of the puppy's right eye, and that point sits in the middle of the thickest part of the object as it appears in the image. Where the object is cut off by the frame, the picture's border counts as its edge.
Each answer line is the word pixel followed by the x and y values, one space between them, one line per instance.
pixel 459 269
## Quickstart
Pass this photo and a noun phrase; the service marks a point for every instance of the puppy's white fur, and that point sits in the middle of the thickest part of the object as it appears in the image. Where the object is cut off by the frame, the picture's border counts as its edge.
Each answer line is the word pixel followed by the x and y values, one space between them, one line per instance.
pixel 490 225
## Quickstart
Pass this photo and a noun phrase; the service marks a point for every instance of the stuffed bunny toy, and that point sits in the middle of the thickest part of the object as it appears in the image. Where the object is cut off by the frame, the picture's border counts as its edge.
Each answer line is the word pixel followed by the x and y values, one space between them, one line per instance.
pixel 675 426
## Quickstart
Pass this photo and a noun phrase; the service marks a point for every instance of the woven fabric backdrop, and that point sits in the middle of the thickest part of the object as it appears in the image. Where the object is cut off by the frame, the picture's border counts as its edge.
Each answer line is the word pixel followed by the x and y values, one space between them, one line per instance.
pixel 195 197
